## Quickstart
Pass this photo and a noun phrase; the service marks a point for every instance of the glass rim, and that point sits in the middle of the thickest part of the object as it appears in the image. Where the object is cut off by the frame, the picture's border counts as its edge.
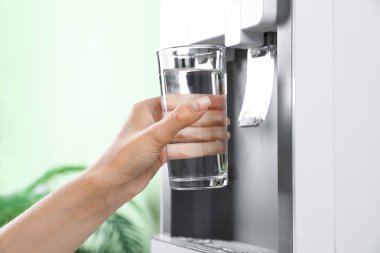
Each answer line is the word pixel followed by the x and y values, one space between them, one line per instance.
pixel 169 50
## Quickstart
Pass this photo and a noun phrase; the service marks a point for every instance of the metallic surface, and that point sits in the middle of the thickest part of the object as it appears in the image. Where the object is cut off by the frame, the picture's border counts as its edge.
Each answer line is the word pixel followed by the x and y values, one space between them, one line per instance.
pixel 285 101
pixel 254 163
pixel 181 244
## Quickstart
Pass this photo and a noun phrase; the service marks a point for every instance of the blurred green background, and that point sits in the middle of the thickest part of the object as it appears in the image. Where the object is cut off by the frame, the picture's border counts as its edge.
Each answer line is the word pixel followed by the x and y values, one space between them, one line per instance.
pixel 69 73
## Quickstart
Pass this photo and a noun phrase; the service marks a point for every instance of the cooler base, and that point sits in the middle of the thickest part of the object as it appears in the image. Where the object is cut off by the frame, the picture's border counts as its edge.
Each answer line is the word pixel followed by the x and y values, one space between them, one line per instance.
pixel 167 244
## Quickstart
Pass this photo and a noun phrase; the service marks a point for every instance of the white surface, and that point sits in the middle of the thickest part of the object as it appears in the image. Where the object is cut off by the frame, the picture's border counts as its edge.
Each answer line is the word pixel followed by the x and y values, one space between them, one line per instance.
pixel 232 14
pixel 357 125
pixel 313 126
pixel 191 21
pixel 336 124
pixel 234 36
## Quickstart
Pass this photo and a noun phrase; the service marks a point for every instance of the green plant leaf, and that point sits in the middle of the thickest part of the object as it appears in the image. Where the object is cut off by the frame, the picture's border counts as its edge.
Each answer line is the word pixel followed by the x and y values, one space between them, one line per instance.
pixel 116 234
pixel 53 173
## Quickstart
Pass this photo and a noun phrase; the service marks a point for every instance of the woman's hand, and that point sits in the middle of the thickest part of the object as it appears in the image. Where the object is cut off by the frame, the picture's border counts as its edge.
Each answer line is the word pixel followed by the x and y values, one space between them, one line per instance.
pixel 138 151
pixel 64 219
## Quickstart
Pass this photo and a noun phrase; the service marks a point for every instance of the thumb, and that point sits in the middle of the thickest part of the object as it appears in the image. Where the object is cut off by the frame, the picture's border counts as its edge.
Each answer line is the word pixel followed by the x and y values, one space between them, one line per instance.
pixel 183 116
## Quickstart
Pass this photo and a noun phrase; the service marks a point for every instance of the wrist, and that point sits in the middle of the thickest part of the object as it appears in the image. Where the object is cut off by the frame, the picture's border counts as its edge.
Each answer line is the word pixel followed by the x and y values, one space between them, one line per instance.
pixel 105 183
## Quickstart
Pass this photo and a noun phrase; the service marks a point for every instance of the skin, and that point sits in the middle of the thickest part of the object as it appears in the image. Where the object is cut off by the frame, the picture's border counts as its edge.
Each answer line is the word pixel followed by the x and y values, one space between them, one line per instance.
pixel 64 219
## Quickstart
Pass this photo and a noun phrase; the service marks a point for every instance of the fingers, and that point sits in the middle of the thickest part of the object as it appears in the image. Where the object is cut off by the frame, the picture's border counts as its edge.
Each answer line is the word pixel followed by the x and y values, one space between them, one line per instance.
pixel 183 116
pixel 201 134
pixel 213 118
pixel 174 100
pixel 193 150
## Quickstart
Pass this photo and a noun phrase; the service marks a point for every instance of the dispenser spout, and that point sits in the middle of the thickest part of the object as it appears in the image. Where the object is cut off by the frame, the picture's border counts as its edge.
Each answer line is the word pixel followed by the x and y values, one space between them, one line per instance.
pixel 259 85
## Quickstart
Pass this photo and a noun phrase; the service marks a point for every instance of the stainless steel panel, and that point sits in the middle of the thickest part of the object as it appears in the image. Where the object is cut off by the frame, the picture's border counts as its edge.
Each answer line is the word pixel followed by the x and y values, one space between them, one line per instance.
pixel 285 128
pixel 253 164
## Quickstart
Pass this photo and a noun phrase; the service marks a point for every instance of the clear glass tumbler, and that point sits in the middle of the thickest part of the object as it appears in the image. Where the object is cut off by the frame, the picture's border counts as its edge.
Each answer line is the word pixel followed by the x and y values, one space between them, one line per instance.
pixel 188 72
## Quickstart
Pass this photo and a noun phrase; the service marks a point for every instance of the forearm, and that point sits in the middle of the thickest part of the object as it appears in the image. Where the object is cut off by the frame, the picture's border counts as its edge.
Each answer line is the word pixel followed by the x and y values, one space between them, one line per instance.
pixel 63 220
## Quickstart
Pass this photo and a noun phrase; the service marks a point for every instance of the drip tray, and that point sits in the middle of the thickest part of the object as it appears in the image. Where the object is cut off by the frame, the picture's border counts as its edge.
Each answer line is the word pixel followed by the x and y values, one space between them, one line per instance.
pixel 166 244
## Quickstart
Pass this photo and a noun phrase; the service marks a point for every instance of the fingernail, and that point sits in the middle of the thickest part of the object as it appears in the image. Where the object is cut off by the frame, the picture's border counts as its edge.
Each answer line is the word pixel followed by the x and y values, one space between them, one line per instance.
pixel 228 135
pixel 200 104
pixel 228 121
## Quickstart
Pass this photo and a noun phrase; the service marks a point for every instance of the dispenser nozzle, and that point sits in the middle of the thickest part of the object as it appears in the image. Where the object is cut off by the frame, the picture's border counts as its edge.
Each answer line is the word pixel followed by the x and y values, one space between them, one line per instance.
pixel 259 85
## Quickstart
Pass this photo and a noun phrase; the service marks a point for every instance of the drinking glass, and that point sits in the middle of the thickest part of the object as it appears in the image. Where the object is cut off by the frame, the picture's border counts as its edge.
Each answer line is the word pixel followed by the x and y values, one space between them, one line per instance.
pixel 197 156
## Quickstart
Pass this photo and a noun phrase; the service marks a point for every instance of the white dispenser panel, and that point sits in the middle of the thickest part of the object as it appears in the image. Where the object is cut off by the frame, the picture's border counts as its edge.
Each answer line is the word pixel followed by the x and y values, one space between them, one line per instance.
pixel 195 21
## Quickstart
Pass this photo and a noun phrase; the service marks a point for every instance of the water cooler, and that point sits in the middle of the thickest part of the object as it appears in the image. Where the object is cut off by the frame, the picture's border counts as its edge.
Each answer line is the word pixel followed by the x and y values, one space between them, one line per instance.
pixel 303 175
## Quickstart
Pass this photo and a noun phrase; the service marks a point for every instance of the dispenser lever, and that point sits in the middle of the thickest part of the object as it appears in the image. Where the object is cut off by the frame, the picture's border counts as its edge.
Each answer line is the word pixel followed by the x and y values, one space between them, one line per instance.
pixel 259 85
